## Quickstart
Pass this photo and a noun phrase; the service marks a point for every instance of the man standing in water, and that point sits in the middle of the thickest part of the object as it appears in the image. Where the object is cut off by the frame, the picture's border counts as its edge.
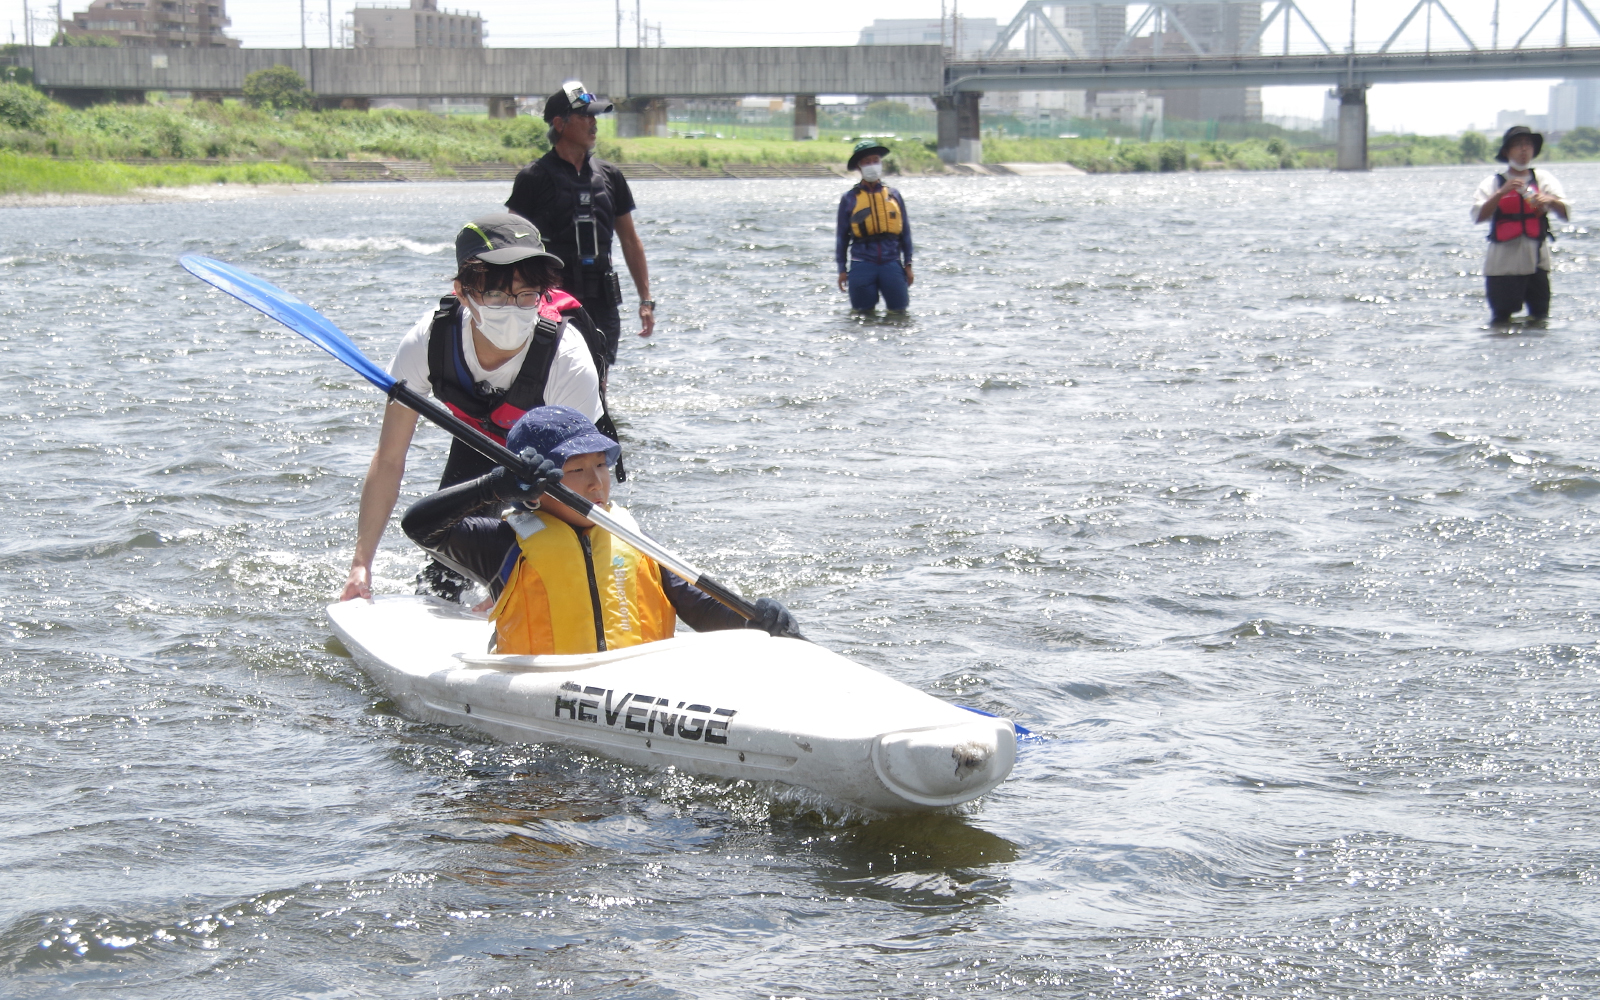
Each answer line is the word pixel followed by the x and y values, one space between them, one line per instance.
pixel 875 235
pixel 1517 205
pixel 578 200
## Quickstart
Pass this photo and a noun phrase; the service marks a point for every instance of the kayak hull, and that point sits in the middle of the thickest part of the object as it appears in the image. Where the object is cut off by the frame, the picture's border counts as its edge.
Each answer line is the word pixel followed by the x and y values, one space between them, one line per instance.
pixel 736 704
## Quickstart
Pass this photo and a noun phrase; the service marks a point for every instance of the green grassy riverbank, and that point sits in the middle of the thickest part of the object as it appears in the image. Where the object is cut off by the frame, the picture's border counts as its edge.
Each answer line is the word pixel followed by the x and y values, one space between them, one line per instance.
pixel 35 175
pixel 49 148
pixel 31 125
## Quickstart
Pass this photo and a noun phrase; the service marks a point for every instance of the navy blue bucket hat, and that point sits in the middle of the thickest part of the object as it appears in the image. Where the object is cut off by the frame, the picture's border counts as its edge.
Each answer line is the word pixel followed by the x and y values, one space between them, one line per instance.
pixel 558 433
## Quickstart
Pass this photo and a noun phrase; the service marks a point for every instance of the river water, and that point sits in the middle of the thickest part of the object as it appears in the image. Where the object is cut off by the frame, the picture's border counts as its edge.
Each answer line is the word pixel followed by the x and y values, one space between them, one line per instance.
pixel 1218 482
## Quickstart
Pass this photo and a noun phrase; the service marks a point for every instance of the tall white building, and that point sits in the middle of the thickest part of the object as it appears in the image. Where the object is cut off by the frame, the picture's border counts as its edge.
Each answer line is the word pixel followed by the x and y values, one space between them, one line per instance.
pixel 1574 104
pixel 422 25
pixel 969 36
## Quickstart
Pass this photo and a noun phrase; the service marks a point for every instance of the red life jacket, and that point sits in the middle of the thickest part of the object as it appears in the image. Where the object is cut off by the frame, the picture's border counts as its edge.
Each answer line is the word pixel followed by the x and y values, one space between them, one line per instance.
pixel 495 411
pixel 1516 217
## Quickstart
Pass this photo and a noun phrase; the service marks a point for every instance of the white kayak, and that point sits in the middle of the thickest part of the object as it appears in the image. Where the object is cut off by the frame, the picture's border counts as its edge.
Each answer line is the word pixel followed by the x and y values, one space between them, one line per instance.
pixel 733 704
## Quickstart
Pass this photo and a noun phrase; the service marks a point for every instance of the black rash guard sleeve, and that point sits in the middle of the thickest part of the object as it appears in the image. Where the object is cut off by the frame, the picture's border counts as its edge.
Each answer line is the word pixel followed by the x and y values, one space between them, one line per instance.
pixel 698 609
pixel 452 527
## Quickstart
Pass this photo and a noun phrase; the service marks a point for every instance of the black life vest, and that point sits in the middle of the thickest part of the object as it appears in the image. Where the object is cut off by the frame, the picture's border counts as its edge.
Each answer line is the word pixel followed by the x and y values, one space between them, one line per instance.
pixel 495 411
pixel 1515 217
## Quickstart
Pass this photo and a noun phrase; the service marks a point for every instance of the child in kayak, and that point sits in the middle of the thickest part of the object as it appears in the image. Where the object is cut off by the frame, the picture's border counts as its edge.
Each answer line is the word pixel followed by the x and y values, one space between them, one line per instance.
pixel 563 584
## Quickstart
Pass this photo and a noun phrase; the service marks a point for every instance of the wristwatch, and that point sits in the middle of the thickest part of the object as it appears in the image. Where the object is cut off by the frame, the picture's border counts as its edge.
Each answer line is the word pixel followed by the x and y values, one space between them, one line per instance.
pixel 651 303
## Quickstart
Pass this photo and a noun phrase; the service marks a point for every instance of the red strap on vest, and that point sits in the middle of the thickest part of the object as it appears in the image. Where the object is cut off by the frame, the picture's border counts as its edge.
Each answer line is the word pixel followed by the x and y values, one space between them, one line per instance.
pixel 560 302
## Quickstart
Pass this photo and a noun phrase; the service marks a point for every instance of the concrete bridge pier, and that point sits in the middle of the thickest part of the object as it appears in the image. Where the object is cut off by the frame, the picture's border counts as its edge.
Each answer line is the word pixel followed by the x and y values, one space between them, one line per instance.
pixel 1352 147
pixel 960 138
pixel 502 107
pixel 642 117
pixel 805 117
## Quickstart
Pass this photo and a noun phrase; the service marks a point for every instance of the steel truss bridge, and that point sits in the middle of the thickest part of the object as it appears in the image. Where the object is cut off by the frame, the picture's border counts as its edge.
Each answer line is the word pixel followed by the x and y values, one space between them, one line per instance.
pixel 1206 45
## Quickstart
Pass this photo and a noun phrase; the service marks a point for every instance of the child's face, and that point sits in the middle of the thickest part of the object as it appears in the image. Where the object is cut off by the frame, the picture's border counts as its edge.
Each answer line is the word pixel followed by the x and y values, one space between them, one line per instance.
pixel 588 476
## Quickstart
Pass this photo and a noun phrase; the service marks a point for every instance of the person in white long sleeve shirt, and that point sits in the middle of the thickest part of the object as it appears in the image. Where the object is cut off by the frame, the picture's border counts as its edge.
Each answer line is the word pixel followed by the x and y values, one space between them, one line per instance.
pixel 1518 204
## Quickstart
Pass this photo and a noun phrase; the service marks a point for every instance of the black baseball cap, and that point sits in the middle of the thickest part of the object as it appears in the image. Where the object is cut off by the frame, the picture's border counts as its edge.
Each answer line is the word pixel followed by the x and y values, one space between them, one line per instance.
pixel 574 99
pixel 501 238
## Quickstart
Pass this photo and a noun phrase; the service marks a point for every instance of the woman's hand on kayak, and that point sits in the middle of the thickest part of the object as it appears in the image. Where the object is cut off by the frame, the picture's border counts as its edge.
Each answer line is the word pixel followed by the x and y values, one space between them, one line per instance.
pixel 359 584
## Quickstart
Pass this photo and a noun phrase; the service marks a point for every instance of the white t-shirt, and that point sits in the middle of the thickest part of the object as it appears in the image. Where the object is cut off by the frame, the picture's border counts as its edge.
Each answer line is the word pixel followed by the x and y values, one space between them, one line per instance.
pixel 1521 255
pixel 573 381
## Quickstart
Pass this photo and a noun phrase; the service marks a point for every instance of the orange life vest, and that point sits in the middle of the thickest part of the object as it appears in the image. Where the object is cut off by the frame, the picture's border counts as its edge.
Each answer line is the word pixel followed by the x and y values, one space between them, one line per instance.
pixel 577 591
pixel 876 214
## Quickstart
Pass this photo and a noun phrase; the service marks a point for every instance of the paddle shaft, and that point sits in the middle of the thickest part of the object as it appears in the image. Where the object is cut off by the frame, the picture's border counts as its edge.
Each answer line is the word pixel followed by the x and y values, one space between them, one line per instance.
pixel 498 453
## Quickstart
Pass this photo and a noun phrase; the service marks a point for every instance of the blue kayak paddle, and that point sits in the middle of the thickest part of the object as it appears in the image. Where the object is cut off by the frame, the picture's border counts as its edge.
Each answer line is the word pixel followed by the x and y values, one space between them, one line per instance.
pixel 317 328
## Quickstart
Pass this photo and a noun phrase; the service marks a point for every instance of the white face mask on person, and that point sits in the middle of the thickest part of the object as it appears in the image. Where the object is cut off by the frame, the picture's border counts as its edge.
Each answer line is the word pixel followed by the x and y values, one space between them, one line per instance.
pixel 507 327
pixel 1521 164
pixel 871 171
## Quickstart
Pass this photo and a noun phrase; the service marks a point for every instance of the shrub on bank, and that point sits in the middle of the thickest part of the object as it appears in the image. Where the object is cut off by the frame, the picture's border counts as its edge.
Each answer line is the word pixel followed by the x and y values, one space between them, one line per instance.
pixel 277 88
pixel 1583 141
pixel 21 107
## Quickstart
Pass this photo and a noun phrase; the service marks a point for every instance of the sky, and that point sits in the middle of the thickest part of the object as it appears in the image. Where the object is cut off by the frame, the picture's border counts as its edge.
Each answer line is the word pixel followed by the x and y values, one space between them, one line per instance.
pixel 1428 108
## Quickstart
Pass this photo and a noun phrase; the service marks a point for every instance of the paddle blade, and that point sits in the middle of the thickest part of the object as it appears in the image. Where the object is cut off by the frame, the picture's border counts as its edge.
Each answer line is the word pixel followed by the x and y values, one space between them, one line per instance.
pixel 288 310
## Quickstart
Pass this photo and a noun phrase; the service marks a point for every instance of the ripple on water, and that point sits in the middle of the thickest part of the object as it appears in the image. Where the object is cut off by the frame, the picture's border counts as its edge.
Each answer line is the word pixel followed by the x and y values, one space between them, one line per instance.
pixel 1283 553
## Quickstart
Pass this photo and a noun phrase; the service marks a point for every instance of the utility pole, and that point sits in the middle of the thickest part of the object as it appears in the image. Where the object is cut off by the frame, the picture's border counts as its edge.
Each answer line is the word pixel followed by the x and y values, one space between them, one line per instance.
pixel 1494 23
pixel 330 24
pixel 638 25
pixel 302 23
pixel 619 24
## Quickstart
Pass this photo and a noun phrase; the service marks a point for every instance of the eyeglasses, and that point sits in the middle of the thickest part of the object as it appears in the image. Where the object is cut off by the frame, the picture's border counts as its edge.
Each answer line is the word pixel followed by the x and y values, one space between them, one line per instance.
pixel 522 300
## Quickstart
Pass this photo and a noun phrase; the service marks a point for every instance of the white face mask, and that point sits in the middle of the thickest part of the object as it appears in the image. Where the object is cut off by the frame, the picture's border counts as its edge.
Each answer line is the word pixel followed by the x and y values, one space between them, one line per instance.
pixel 506 327
pixel 1521 164
pixel 871 171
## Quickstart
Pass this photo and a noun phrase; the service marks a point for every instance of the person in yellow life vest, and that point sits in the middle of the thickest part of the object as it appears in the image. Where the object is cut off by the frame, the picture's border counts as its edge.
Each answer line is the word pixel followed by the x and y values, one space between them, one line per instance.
pixel 560 583
pixel 874 233
pixel 1518 204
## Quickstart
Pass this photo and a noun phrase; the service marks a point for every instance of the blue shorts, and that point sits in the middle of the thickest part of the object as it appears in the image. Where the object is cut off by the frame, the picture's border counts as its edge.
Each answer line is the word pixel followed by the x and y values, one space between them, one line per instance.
pixel 868 281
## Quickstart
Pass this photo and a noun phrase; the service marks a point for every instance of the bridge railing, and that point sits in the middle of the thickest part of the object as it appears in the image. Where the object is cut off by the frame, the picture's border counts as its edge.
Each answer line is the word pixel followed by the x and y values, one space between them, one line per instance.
pixel 1161 29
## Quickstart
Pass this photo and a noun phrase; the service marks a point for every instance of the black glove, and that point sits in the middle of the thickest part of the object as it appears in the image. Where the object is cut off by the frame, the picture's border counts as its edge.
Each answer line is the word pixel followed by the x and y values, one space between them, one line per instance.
pixel 544 474
pixel 774 619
